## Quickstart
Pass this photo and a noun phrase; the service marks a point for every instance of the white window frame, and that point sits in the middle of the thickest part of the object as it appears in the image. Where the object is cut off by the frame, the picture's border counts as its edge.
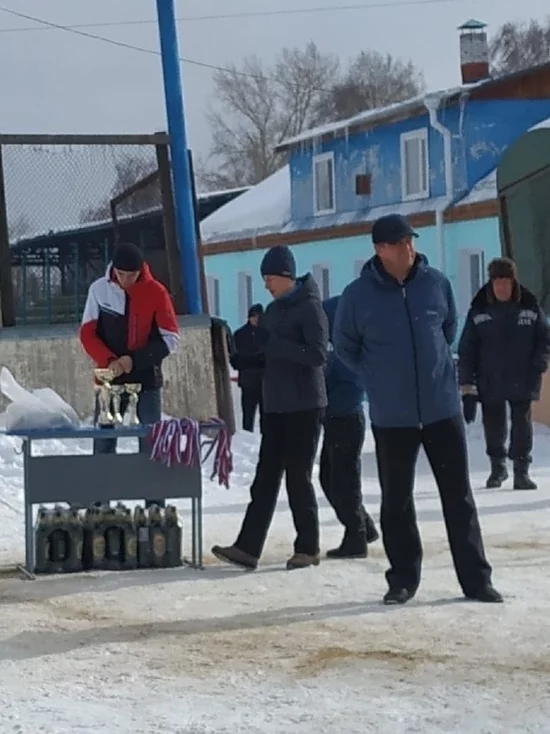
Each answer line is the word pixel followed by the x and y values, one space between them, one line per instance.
pixel 466 288
pixel 358 267
pixel 317 160
pixel 422 136
pixel 246 294
pixel 321 273
pixel 213 294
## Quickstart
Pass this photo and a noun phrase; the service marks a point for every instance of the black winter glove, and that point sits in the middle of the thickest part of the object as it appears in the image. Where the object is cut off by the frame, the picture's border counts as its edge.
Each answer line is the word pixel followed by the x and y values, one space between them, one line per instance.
pixel 469 407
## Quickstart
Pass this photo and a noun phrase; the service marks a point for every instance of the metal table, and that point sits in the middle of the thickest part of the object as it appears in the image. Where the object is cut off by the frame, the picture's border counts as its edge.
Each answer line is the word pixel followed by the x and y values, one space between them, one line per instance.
pixel 82 479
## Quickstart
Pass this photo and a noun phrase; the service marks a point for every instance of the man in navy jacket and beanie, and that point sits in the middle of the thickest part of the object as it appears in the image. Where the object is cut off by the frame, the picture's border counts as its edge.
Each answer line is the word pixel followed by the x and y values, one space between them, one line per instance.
pixel 503 352
pixel 340 464
pixel 394 327
pixel 294 400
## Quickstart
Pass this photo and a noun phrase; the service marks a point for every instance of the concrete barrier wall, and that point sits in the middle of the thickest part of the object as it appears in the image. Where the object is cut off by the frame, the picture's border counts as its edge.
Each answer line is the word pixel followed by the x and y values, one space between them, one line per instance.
pixel 51 356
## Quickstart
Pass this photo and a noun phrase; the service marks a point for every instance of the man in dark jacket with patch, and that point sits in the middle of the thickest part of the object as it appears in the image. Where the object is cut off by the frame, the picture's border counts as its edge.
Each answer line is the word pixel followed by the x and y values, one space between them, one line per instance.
pixel 340 465
pixel 394 327
pixel 503 352
pixel 294 400
pixel 250 339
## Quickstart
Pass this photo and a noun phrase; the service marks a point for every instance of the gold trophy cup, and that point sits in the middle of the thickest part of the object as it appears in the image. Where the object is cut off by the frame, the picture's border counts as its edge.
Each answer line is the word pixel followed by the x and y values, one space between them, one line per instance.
pixel 104 389
pixel 117 392
pixel 133 391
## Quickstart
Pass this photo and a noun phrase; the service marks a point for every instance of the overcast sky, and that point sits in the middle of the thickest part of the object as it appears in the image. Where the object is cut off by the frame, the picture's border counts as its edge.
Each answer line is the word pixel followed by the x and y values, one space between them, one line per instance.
pixel 53 81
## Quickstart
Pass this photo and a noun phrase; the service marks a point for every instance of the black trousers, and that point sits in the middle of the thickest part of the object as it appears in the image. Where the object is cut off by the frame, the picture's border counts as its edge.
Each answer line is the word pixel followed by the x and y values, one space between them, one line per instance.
pixel 251 400
pixel 289 445
pixel 340 470
pixel 445 445
pixel 495 425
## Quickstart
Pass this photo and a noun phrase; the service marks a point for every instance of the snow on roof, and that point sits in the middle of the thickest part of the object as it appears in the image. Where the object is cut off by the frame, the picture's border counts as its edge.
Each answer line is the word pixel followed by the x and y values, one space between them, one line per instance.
pixel 379 114
pixel 541 125
pixel 264 208
pixel 484 190
pixel 222 192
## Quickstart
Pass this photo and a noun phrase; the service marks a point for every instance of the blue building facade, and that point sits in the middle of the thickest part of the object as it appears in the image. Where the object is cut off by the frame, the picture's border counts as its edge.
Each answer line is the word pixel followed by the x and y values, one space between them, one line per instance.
pixel 480 132
pixel 433 159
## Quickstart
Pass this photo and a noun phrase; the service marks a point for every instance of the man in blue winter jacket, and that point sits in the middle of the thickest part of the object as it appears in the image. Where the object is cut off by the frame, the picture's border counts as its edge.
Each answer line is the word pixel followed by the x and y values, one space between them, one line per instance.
pixel 340 464
pixel 394 327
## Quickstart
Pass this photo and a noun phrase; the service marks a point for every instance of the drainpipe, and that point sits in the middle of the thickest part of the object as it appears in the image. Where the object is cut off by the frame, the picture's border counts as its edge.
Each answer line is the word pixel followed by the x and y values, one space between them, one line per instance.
pixel 432 105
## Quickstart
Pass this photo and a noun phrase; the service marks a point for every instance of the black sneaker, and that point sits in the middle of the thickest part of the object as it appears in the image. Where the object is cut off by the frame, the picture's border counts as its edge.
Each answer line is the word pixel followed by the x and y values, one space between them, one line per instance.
pixel 488 595
pixel 397 596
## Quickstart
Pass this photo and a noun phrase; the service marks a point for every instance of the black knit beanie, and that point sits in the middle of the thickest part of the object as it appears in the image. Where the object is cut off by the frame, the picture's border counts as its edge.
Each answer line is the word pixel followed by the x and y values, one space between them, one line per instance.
pixel 279 260
pixel 127 257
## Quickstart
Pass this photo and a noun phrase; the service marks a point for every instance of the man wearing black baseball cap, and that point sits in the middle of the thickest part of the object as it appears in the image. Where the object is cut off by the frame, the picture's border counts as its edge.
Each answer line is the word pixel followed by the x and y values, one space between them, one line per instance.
pixel 129 325
pixel 394 328
pixel 248 340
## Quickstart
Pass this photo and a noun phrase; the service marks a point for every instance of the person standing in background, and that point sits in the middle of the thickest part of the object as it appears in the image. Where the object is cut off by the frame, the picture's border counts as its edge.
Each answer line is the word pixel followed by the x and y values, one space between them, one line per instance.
pixel 394 328
pixel 250 339
pixel 294 400
pixel 503 352
pixel 340 464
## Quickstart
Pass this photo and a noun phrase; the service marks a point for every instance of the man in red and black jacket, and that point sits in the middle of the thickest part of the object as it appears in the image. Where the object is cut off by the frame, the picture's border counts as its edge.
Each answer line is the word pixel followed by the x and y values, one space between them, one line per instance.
pixel 130 326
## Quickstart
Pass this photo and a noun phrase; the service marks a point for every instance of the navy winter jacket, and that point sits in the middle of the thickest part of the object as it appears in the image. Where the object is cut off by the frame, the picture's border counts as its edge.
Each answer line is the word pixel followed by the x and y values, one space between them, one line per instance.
pixel 295 354
pixel 344 392
pixel 396 338
pixel 505 347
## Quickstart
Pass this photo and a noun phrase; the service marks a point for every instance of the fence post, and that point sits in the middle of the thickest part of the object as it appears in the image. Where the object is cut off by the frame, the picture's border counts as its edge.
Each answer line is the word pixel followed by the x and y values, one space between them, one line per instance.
pixel 24 288
pixel 7 305
pixel 77 282
pixel 47 275
pixel 170 230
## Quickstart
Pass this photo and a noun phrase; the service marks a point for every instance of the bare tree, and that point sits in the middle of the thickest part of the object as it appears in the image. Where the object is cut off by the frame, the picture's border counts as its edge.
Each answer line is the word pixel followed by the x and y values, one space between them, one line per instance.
pixel 517 46
pixel 129 171
pixel 372 80
pixel 19 227
pixel 257 107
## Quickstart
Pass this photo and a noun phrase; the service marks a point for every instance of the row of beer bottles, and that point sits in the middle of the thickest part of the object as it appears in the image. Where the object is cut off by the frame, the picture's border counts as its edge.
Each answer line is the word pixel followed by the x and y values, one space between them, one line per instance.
pixel 106 538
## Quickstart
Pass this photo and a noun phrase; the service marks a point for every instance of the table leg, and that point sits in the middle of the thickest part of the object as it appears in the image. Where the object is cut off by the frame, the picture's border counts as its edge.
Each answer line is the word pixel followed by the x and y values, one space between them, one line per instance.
pixel 194 532
pixel 29 530
pixel 199 531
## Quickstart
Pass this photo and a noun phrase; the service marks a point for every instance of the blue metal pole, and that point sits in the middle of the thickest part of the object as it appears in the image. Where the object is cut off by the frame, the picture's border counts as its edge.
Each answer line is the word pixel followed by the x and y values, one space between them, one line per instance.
pixel 183 192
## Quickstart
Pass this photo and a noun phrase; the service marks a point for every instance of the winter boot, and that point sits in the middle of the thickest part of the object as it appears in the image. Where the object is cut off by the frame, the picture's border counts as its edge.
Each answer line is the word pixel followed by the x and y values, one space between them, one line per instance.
pixel 302 560
pixel 522 480
pixel 498 475
pixel 352 546
pixel 232 554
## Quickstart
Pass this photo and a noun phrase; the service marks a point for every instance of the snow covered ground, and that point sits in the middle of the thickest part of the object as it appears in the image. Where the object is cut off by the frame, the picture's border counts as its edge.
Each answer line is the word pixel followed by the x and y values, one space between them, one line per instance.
pixel 226 652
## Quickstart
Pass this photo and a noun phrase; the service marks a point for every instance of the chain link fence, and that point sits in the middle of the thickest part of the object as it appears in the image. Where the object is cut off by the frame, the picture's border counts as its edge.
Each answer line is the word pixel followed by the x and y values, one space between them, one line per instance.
pixel 65 202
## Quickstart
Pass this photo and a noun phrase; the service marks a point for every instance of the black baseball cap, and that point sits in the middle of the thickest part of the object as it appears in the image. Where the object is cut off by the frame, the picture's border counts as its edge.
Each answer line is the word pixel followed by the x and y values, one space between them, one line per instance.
pixel 391 229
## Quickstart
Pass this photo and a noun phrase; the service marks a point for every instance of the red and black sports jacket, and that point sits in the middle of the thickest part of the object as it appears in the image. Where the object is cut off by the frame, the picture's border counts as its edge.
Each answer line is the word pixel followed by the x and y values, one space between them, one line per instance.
pixel 139 322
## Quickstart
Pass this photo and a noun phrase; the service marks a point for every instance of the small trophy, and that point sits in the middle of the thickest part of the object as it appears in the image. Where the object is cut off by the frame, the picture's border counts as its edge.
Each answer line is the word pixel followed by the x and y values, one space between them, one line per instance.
pixel 133 391
pixel 104 377
pixel 117 391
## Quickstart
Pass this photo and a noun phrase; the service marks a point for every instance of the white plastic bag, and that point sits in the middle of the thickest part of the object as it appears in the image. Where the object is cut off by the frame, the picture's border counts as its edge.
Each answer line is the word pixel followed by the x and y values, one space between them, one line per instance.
pixel 36 410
